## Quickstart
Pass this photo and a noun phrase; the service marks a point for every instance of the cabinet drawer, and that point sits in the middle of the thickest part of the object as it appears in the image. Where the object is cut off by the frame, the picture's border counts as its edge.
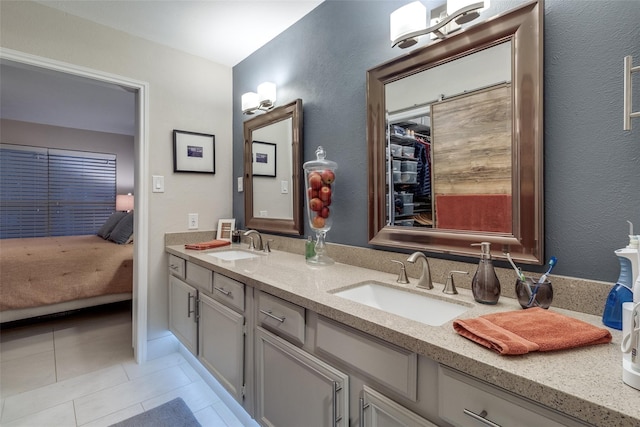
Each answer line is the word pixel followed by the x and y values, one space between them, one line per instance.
pixel 176 266
pixel 282 317
pixel 229 292
pixel 390 365
pixel 464 401
pixel 200 277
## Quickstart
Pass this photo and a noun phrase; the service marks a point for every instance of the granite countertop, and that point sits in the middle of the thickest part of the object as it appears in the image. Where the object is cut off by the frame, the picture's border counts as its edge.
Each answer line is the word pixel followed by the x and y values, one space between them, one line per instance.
pixel 585 383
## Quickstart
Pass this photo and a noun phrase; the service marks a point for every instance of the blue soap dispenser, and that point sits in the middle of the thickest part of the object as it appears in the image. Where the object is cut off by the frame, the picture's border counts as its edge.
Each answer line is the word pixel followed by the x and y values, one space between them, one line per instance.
pixel 622 290
pixel 485 284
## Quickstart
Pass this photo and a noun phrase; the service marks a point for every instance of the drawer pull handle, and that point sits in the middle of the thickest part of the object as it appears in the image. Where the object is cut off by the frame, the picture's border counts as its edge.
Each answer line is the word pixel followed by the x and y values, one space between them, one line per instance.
pixel 481 417
pixel 189 311
pixel 268 313
pixel 173 267
pixel 223 291
pixel 336 419
pixel 362 408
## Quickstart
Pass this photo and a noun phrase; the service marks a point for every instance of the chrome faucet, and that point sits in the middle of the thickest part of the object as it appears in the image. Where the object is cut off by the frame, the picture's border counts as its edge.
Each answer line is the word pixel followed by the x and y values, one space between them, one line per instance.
pixel 425 278
pixel 252 246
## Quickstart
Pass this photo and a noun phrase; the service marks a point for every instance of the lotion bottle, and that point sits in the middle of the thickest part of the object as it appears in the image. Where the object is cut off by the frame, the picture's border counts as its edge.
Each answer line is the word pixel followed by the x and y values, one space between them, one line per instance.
pixel 485 284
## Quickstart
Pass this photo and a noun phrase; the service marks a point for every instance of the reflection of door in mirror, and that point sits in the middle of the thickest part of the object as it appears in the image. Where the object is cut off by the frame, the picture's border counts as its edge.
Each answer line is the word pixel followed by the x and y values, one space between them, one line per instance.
pixel 272 171
pixel 450 143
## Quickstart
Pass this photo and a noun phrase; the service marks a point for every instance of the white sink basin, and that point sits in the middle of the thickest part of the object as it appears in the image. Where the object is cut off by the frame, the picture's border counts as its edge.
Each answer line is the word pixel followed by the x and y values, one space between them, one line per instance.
pixel 233 255
pixel 424 309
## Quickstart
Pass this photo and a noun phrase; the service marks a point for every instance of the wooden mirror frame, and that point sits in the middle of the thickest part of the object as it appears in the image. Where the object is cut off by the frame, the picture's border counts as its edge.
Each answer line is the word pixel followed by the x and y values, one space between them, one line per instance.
pixel 523 26
pixel 295 225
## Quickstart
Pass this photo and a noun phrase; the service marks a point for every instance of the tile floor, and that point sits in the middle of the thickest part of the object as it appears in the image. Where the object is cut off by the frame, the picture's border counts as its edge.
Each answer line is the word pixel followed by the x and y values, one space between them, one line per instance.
pixel 80 371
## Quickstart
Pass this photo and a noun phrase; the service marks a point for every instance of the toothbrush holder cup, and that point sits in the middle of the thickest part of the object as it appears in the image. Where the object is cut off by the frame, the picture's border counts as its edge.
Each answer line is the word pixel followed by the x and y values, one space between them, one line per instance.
pixel 543 296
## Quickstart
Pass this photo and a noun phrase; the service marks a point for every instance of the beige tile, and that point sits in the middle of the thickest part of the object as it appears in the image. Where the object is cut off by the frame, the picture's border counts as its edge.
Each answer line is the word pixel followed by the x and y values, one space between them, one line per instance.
pixel 27 373
pixel 135 371
pixel 65 391
pixel 21 342
pixel 190 372
pixel 197 395
pixel 116 417
pixel 96 405
pixel 58 416
pixel 87 348
pixel 227 415
pixel 208 417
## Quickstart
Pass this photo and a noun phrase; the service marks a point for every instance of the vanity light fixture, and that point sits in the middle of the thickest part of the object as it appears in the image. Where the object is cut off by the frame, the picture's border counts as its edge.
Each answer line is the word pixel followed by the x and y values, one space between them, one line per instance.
pixel 410 21
pixel 264 100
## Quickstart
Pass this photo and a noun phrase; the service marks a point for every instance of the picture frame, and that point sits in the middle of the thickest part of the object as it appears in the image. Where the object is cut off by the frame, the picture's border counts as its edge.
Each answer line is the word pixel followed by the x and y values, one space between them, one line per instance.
pixel 264 159
pixel 194 152
pixel 225 229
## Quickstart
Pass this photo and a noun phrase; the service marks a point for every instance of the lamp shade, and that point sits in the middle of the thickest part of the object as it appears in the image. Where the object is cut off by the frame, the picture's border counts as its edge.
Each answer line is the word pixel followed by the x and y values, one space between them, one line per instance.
pixel 407 19
pixel 249 101
pixel 124 202
pixel 267 93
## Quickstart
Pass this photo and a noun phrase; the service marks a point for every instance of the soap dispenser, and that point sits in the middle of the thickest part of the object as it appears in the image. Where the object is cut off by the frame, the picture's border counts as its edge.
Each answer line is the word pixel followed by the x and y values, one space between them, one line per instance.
pixel 485 284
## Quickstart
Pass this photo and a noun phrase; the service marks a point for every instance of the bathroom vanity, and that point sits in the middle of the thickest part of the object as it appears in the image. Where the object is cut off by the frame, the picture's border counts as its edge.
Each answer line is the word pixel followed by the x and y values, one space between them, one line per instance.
pixel 295 353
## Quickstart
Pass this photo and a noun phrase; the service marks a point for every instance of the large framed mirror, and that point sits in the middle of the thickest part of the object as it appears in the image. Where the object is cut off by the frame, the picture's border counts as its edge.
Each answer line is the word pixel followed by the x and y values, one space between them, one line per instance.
pixel 455 142
pixel 272 167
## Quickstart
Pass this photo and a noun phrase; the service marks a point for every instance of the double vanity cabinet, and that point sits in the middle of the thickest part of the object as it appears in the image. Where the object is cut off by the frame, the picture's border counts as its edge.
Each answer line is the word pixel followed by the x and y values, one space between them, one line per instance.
pixel 289 363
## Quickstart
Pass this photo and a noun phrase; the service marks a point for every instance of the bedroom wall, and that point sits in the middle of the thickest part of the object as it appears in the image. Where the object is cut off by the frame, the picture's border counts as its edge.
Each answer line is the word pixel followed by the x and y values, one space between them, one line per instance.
pixel 185 92
pixel 37 135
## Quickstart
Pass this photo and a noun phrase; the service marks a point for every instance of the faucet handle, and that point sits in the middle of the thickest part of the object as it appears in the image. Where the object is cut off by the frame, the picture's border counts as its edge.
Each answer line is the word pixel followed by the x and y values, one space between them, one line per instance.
pixel 450 286
pixel 402 276
pixel 252 246
pixel 267 246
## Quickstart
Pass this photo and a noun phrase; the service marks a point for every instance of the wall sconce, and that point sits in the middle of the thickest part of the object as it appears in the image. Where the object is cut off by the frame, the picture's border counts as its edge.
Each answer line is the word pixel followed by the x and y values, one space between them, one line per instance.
pixel 124 202
pixel 264 100
pixel 410 21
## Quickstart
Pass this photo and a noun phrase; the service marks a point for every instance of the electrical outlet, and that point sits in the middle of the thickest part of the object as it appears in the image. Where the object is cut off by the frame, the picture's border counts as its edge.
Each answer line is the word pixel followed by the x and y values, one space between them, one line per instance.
pixel 193 221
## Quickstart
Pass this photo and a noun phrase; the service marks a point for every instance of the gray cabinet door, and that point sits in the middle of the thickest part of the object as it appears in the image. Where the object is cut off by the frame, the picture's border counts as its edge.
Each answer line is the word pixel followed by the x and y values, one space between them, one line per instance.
pixel 182 313
pixel 377 410
pixel 221 341
pixel 295 388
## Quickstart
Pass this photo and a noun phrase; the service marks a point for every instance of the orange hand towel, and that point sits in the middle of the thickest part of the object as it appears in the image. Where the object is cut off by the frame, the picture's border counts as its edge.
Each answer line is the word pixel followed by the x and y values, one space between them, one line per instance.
pixel 207 245
pixel 534 329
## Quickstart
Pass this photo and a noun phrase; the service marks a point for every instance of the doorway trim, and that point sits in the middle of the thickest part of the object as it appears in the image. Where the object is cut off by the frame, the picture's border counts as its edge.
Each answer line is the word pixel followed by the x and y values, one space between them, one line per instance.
pixel 141 167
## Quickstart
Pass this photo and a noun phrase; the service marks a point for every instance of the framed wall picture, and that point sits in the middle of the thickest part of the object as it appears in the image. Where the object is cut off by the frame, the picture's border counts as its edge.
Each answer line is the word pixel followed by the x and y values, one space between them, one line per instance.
pixel 264 159
pixel 194 152
pixel 225 228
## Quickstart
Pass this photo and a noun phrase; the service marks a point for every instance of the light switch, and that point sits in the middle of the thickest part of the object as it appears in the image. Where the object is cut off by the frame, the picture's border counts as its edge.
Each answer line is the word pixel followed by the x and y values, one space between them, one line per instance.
pixel 284 187
pixel 240 185
pixel 193 221
pixel 158 184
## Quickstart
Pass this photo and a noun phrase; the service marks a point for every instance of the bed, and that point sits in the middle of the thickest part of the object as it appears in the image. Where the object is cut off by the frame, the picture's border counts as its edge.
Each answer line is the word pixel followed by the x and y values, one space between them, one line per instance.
pixel 46 275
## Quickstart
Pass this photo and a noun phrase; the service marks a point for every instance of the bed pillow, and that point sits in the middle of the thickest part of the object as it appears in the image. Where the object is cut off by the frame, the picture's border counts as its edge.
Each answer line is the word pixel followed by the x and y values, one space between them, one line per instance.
pixel 110 224
pixel 123 232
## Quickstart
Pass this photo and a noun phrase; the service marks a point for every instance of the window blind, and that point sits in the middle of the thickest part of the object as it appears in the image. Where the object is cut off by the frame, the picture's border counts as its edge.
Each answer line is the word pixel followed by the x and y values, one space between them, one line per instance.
pixel 72 193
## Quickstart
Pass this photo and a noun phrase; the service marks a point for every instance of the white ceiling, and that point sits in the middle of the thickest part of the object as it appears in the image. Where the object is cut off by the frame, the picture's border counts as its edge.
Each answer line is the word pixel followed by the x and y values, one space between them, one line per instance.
pixel 223 31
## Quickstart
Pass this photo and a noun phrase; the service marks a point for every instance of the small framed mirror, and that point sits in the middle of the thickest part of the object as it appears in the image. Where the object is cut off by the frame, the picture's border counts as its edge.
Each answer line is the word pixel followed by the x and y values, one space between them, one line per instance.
pixel 455 142
pixel 272 170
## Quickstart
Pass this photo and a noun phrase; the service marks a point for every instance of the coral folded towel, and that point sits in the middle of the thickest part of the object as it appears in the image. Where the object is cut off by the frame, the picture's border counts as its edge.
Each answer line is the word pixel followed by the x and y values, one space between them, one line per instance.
pixel 534 329
pixel 207 245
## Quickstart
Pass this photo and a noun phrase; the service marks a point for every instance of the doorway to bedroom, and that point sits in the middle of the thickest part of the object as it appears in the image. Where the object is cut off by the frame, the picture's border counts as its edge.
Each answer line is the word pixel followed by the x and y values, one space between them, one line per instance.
pixel 104 90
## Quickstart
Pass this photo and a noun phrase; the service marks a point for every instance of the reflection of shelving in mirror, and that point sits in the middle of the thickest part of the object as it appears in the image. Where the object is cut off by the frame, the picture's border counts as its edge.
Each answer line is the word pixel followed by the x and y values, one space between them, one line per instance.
pixel 409 140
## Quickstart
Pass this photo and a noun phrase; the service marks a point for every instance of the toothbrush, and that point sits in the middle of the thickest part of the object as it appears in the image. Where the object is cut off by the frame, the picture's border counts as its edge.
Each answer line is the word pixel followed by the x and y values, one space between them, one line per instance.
pixel 517 270
pixel 552 263
pixel 519 273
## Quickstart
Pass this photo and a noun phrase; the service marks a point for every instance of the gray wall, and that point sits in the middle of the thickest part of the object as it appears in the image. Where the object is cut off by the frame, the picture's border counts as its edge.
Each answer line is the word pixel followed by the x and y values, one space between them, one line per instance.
pixel 592 166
